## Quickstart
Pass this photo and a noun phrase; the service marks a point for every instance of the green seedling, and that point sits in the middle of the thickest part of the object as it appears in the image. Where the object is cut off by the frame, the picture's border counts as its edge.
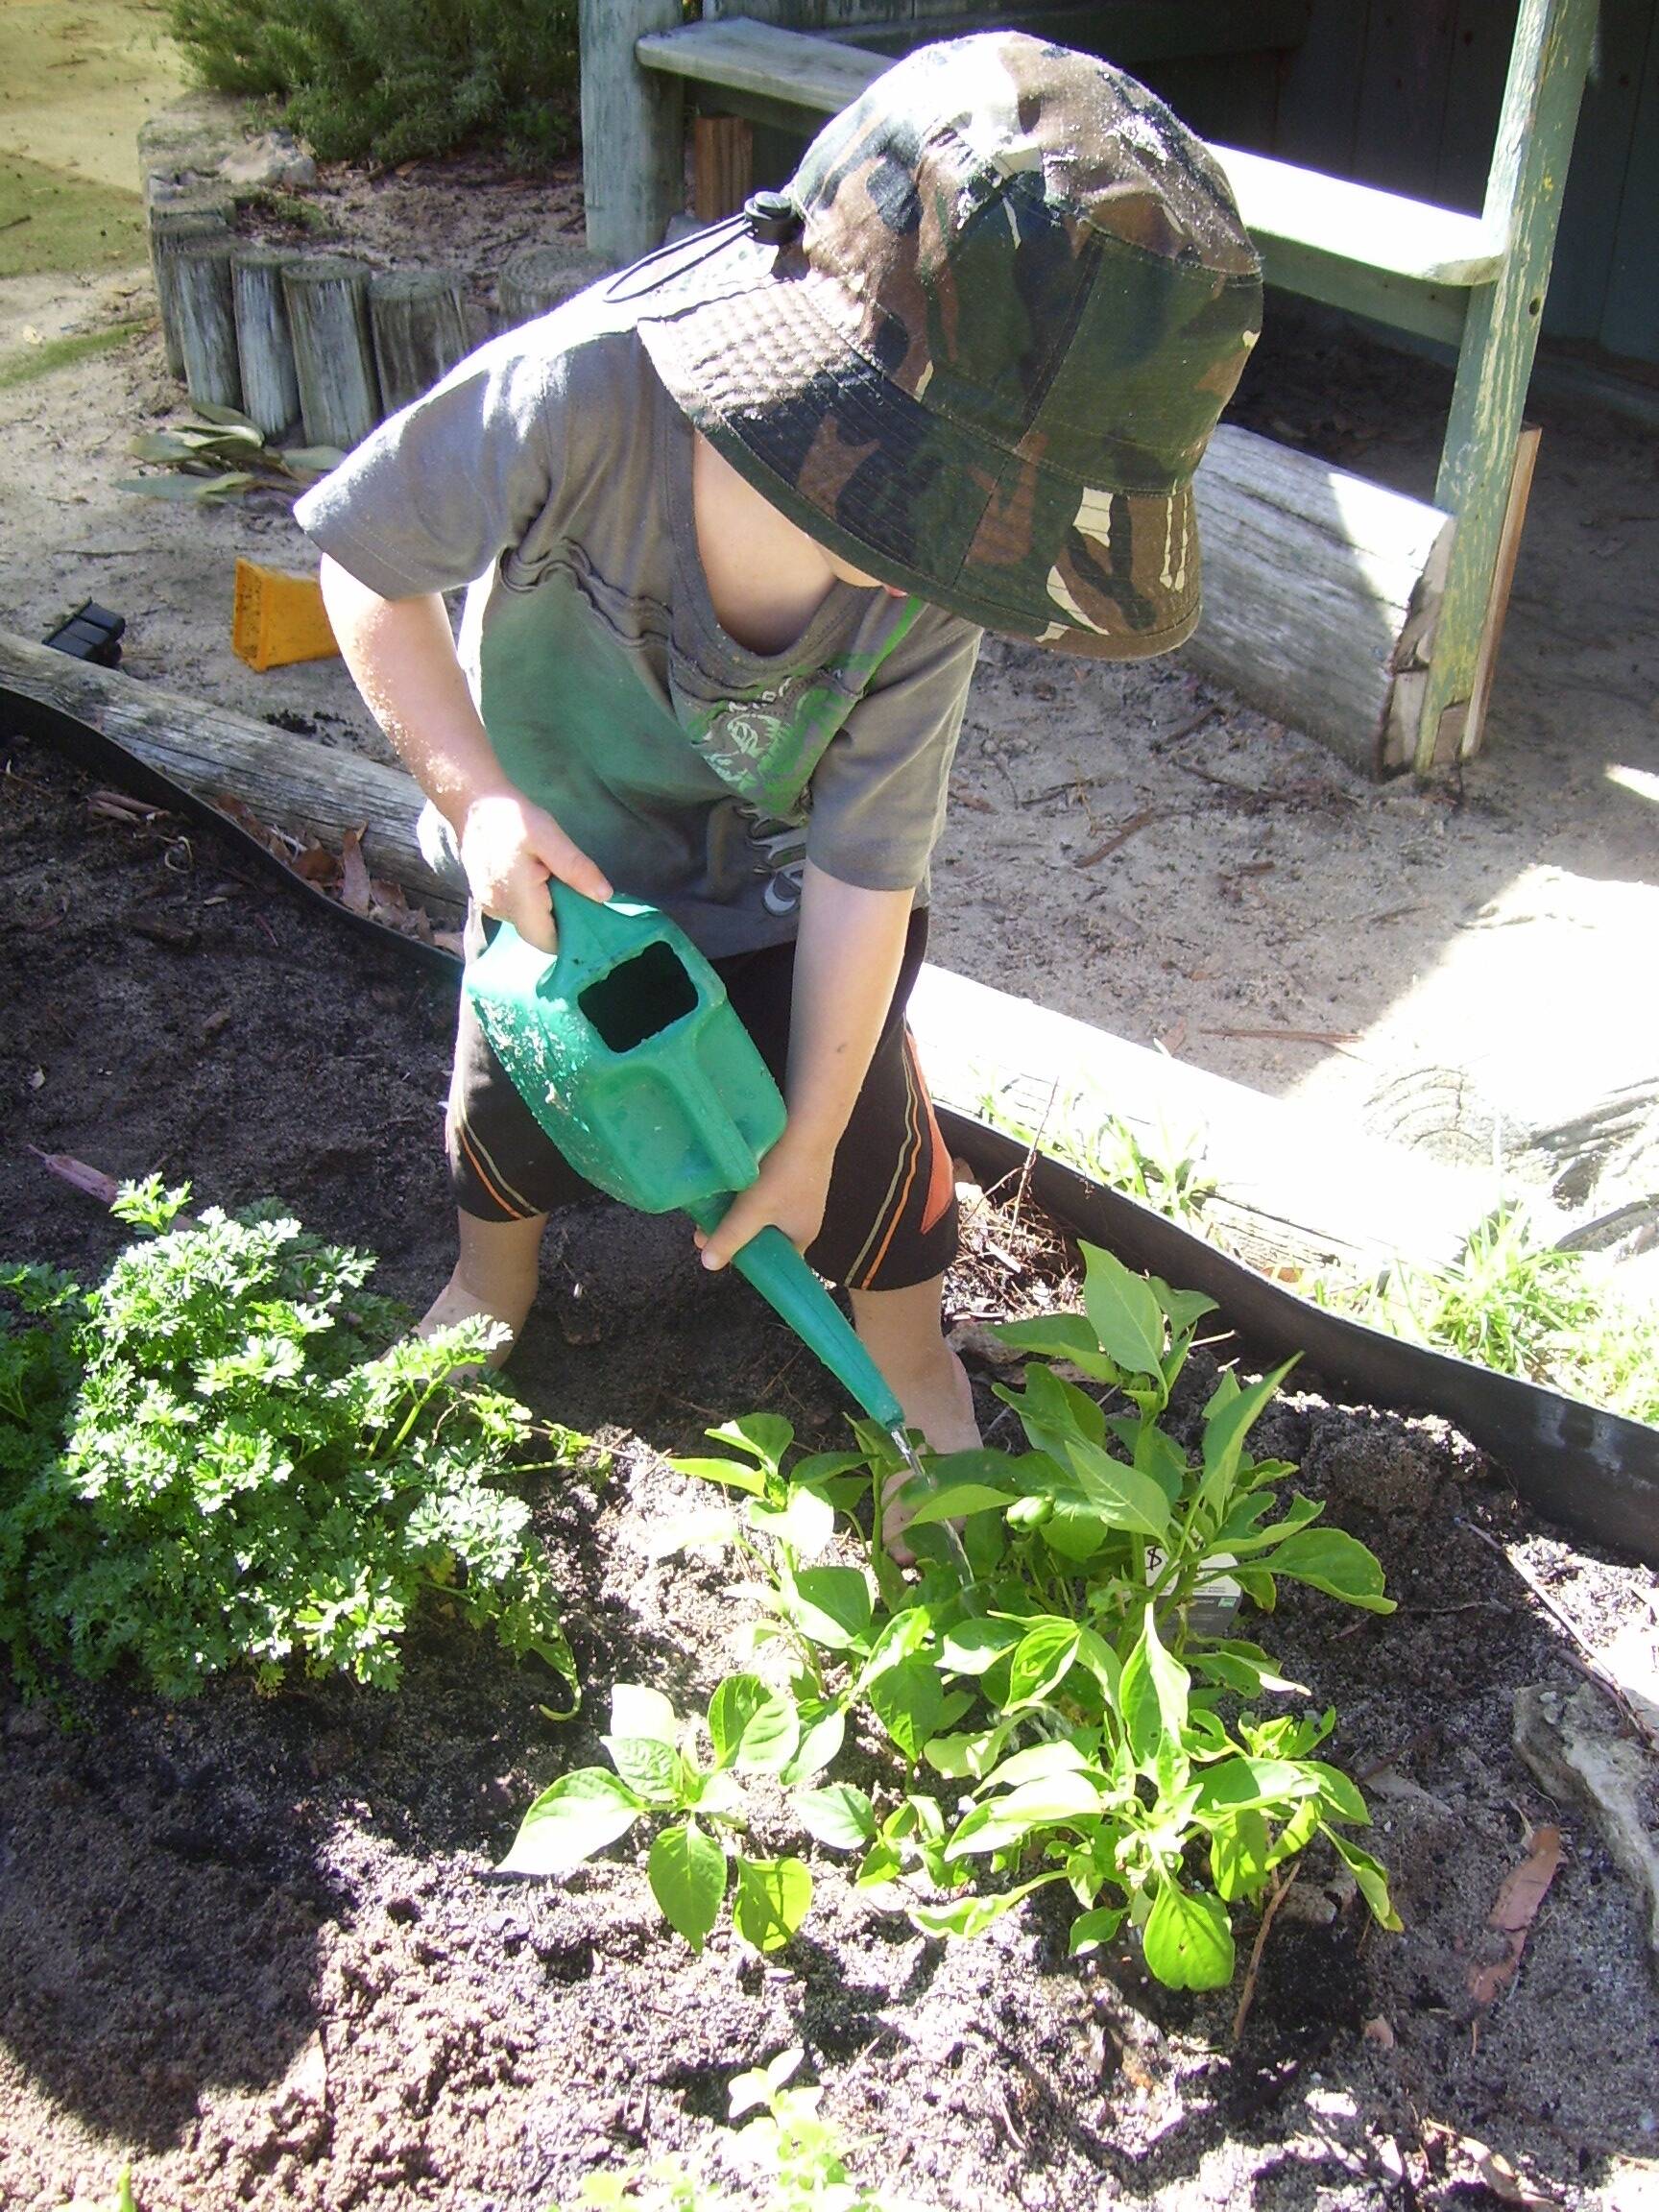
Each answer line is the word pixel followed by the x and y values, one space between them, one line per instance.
pixel 1050 1675
pixel 656 1774
pixel 793 2158
pixel 207 1461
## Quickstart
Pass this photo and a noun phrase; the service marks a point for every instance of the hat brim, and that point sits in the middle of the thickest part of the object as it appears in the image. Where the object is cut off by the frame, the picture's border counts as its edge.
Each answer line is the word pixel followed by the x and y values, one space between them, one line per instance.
pixel 744 341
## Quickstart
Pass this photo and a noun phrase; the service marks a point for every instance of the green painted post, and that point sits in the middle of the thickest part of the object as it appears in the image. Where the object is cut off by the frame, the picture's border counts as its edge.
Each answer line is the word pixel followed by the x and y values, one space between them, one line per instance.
pixel 632 129
pixel 1547 66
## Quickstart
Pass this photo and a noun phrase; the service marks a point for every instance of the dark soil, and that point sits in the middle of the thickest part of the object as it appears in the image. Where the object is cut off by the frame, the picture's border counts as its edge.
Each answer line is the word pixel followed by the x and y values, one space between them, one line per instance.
pixel 253 1944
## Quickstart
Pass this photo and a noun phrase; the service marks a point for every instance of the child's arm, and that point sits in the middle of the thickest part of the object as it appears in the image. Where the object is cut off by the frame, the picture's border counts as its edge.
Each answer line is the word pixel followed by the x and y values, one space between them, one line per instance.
pixel 847 960
pixel 401 655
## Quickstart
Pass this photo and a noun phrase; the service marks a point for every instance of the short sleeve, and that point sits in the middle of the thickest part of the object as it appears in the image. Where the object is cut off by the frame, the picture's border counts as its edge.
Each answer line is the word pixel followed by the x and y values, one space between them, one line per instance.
pixel 431 498
pixel 879 793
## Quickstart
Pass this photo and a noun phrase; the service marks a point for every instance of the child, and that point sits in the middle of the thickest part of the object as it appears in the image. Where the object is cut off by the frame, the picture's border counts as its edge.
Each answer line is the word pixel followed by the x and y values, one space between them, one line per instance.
pixel 734 524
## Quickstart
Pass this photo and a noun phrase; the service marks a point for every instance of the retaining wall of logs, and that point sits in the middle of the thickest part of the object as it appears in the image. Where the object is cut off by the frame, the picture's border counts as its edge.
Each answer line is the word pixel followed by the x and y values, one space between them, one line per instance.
pixel 316 346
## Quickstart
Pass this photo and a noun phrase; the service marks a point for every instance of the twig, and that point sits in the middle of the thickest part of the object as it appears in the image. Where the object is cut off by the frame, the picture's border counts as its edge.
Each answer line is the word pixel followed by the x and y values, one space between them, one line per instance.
pixel 1247 1995
pixel 1187 730
pixel 1294 1036
pixel 1585 1656
pixel 1123 832
pixel 1070 784
pixel 1030 1159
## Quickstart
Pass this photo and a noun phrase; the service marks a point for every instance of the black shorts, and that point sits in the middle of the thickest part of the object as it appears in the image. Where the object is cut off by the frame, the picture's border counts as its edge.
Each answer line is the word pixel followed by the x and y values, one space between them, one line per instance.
pixel 891 1218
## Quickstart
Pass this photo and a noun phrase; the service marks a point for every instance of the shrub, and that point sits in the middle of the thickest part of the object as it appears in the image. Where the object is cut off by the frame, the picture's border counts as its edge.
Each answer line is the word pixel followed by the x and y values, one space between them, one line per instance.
pixel 389 81
pixel 206 1461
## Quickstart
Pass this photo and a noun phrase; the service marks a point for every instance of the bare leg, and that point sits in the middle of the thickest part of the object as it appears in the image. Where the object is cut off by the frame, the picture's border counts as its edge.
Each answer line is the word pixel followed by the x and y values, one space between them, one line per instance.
pixel 902 1331
pixel 495 1274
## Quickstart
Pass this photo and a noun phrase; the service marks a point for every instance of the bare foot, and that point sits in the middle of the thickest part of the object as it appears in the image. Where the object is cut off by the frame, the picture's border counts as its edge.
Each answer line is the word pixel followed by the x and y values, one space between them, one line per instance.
pixel 940 1402
pixel 456 1303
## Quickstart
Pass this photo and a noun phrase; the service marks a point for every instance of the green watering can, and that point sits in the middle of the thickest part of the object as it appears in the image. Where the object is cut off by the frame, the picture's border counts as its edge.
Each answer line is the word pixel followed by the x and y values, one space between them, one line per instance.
pixel 625 1049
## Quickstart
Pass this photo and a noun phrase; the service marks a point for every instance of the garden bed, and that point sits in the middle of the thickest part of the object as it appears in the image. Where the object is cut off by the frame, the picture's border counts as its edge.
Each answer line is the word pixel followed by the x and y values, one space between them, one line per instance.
pixel 253 1944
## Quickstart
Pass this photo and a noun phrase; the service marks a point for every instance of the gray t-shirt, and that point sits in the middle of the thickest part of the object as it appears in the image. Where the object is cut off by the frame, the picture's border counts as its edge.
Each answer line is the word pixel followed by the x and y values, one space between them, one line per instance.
pixel 551 472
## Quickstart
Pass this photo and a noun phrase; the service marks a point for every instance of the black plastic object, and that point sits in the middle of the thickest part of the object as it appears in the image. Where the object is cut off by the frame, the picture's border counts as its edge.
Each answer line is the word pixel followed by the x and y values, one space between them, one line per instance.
pixel 1595 1473
pixel 90 634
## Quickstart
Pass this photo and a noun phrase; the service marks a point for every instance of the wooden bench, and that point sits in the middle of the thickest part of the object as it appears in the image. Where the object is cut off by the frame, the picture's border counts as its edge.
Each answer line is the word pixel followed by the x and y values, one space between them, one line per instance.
pixel 1474 282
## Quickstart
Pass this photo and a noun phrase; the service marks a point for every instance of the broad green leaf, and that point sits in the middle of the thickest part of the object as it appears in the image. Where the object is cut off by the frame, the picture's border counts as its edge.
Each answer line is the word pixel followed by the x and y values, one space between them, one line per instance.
pixel 967 1757
pixel 1123 1496
pixel 838 1817
pixel 1098 1926
pixel 970 1916
pixel 1238 1855
pixel 1102 1662
pixel 908 1700
pixel 1339 1797
pixel 1058 1336
pixel 1224 1433
pixel 573 1817
pixel 1058 1799
pixel 902 1634
pixel 1231 1785
pixel 832 1605
pixel 752 1725
pixel 1371 1876
pixel 686 1870
pixel 730 1473
pixel 654 1770
pixel 880 1868
pixel 764 1436
pixel 1244 1668
pixel 774 1896
pixel 957 1500
pixel 1181 1309
pixel 228 418
pixel 709 1531
pixel 1123 1311
pixel 1152 1699
pixel 1297 1833
pixel 1036 1762
pixel 1333 1561
pixel 188 486
pixel 1042 1661
pixel 822 1728
pixel 639 1712
pixel 1156 1452
pixel 805 1522
pixel 974 1646
pixel 1187 1940
pixel 310 459
pixel 1073 1530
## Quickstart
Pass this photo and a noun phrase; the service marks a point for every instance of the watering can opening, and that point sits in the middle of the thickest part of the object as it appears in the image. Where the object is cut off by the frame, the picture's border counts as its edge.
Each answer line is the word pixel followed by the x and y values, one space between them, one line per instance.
pixel 640 997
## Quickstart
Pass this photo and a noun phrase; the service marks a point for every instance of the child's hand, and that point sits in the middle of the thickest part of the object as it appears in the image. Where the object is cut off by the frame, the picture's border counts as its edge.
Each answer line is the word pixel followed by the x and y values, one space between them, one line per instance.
pixel 788 1193
pixel 510 848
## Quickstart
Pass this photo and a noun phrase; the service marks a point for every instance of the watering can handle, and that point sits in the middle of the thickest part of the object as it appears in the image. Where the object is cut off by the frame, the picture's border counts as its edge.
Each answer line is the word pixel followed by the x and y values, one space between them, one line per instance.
pixel 771 1263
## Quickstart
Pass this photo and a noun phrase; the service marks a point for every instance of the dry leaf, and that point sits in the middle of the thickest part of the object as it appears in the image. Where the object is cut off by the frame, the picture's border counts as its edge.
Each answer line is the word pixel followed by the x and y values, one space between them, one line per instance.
pixel 1520 1894
pixel 354 890
pixel 315 863
pixel 1378 2031
pixel 68 1169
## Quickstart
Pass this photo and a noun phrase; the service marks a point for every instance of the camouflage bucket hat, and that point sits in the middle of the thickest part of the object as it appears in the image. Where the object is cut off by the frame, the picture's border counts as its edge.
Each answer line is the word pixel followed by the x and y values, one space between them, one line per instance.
pixel 978 345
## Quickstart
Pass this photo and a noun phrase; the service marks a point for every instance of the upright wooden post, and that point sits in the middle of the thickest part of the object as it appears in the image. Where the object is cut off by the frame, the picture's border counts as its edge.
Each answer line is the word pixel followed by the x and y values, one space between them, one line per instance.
pixel 327 298
pixel 264 346
pixel 420 329
pixel 206 319
pixel 1547 66
pixel 632 129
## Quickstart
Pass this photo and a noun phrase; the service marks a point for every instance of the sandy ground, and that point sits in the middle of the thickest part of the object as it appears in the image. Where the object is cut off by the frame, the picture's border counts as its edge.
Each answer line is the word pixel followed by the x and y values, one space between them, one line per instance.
pixel 1268 913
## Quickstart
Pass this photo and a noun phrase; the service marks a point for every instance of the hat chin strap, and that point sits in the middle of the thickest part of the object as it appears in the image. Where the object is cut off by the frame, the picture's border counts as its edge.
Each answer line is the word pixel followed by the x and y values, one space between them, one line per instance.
pixel 770 217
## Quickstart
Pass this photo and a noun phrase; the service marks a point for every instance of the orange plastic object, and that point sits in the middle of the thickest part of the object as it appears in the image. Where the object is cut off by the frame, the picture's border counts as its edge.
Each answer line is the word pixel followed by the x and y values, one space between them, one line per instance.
pixel 279 618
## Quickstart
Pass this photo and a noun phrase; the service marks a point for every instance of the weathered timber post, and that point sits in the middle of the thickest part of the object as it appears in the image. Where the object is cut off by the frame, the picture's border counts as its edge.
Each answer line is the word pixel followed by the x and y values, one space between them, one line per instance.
pixel 632 129
pixel 327 296
pixel 206 312
pixel 170 230
pixel 419 330
pixel 264 342
pixel 541 278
